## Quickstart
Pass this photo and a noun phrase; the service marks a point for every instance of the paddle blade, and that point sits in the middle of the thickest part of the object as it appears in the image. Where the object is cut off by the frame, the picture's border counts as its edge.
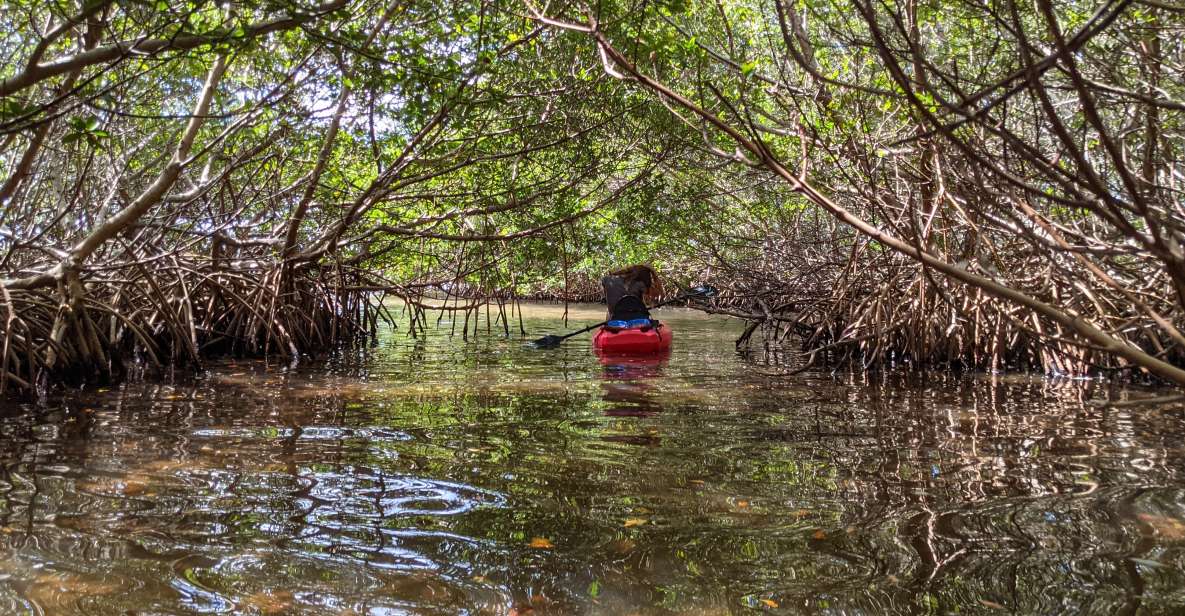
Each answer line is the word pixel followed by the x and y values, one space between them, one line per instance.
pixel 547 341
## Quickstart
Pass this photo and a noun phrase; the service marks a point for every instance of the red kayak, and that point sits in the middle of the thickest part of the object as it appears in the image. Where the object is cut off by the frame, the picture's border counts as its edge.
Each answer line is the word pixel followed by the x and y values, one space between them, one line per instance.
pixel 633 341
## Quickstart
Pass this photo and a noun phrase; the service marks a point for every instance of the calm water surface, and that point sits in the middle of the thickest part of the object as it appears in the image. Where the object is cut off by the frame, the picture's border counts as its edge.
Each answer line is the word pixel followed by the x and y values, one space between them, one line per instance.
pixel 439 476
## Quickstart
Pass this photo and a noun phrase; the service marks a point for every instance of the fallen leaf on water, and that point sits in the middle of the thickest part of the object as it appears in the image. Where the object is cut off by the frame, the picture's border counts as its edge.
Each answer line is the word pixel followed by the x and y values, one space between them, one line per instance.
pixel 134 488
pixel 1168 528
pixel 820 534
pixel 542 543
pixel 992 604
pixel 631 522
pixel 770 603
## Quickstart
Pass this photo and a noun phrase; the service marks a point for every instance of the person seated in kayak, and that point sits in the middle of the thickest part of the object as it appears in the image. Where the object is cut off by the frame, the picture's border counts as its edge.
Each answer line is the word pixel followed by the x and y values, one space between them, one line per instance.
pixel 626 293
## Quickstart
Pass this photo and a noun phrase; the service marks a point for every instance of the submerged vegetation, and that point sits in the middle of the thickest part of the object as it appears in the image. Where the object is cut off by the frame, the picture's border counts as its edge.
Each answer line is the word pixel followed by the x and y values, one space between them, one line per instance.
pixel 981 185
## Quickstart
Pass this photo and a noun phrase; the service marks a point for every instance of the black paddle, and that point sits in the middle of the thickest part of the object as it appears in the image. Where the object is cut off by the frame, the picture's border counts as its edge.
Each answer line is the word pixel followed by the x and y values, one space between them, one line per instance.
pixel 552 340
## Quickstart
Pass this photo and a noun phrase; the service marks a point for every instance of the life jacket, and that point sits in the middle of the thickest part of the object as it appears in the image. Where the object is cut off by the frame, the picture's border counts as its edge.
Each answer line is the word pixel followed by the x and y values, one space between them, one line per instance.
pixel 628 308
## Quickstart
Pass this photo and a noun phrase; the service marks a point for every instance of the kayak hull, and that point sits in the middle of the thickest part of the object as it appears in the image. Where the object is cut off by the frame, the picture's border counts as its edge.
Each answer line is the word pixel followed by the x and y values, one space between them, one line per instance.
pixel 633 341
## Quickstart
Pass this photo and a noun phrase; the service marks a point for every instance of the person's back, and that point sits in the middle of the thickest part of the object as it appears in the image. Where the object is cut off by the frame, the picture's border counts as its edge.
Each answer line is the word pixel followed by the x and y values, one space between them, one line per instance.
pixel 625 290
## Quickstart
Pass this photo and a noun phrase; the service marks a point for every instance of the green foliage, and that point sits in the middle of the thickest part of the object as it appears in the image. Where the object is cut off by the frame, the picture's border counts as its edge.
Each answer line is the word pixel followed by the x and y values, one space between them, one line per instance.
pixel 85 129
pixel 537 164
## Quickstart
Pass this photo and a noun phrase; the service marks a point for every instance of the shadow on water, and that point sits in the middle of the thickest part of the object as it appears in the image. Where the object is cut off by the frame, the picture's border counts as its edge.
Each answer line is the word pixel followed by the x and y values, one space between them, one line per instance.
pixel 439 476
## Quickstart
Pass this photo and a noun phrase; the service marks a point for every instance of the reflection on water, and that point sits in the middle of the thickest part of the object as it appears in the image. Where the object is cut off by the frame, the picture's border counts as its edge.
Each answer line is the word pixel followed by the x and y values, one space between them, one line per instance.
pixel 628 385
pixel 438 477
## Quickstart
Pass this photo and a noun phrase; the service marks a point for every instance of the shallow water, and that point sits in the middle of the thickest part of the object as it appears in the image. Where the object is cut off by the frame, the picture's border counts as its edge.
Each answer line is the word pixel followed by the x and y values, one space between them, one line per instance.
pixel 441 476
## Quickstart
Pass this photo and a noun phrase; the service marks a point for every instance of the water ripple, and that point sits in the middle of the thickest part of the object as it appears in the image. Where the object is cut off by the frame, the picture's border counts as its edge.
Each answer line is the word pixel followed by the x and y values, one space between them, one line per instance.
pixel 451 476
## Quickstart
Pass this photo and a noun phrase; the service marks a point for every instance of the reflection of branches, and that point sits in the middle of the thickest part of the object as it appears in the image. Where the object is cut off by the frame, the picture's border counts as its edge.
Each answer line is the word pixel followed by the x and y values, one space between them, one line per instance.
pixel 957 489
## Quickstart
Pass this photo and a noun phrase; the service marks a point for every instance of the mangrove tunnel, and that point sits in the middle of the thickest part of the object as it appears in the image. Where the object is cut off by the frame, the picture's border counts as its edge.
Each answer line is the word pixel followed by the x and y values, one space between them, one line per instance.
pixel 274 276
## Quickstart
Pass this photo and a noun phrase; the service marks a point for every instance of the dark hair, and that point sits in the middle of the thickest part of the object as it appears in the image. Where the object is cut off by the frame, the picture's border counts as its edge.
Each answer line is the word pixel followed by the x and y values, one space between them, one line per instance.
pixel 644 274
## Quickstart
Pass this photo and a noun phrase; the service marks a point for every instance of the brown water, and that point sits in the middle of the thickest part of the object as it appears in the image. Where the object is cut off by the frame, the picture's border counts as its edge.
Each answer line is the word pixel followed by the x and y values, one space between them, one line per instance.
pixel 441 476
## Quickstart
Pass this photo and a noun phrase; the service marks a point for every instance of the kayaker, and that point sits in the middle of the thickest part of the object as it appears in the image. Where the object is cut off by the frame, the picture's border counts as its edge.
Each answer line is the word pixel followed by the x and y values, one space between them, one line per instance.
pixel 628 289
